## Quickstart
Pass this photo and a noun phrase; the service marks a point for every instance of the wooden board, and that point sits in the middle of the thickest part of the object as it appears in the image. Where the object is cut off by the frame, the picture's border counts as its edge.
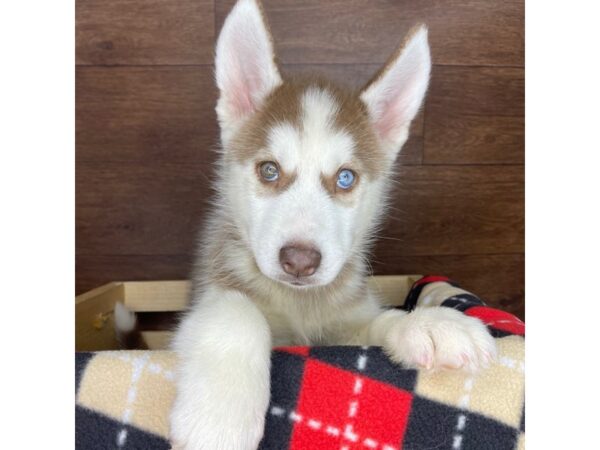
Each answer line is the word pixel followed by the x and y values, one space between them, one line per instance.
pixel 461 32
pixel 475 115
pixel 145 114
pixel 482 32
pixel 154 296
pixel 94 321
pixel 94 317
pixel 157 340
pixel 454 210
pixel 144 32
pixel 135 209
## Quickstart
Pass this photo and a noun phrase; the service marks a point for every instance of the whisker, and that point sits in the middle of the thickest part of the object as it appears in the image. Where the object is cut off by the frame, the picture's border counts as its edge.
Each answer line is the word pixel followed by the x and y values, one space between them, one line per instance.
pixel 389 238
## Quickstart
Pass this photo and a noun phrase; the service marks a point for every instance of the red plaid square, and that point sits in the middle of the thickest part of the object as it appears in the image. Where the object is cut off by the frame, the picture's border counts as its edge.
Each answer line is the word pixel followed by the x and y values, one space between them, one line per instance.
pixel 498 319
pixel 342 410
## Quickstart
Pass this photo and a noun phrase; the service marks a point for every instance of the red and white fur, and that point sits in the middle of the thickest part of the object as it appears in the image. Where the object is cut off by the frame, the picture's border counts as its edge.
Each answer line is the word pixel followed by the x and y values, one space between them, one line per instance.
pixel 244 300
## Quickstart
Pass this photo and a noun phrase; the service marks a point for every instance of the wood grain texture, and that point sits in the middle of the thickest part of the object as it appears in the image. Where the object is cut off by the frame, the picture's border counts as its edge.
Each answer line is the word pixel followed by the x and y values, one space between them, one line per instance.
pixel 145 114
pixel 134 209
pixel 461 32
pixel 475 115
pixel 449 210
pixel 110 32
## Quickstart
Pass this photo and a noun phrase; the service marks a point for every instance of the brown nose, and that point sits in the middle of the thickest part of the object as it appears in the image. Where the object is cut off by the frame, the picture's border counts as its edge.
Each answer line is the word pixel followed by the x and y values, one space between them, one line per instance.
pixel 299 260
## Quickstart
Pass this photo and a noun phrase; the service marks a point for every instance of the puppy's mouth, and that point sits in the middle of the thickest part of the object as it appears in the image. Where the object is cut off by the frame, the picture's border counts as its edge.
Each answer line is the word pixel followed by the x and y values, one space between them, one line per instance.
pixel 297 282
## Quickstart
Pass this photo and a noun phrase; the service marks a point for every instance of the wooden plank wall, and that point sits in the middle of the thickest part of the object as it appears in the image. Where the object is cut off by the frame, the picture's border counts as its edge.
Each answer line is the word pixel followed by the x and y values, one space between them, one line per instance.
pixel 146 132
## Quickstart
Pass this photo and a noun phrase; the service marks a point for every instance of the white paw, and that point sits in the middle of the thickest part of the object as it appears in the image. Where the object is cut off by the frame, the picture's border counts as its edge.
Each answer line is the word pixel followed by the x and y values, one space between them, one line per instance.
pixel 228 419
pixel 440 338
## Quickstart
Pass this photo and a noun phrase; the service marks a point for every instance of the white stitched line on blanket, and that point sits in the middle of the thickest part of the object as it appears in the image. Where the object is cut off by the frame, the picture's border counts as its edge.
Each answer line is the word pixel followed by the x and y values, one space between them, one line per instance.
pixel 152 367
pixel 352 409
pixel 121 437
pixel 462 418
pixel 357 386
pixel 332 430
pixel 295 417
pixel 512 363
pixel 277 411
pixel 457 442
pixel 466 398
pixel 157 369
pixel 314 424
pixel 136 372
pixel 370 443
pixel 361 364
pixel 350 434
pixel 318 425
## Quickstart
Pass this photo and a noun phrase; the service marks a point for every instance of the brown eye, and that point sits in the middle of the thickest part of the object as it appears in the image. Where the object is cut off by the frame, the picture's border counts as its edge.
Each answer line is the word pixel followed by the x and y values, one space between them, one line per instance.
pixel 269 171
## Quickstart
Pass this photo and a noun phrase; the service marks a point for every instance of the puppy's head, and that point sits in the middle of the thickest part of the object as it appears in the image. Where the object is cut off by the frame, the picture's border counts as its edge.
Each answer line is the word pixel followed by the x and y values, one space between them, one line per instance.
pixel 305 162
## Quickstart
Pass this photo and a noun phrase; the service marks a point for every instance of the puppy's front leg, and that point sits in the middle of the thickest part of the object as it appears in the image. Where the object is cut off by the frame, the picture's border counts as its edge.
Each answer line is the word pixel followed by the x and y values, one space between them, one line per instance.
pixel 223 382
pixel 433 338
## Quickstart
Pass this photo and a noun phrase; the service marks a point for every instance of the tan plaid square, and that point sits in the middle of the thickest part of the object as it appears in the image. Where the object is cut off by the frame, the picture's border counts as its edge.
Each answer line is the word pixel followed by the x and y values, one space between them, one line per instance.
pixel 505 378
pixel 105 386
pixel 155 394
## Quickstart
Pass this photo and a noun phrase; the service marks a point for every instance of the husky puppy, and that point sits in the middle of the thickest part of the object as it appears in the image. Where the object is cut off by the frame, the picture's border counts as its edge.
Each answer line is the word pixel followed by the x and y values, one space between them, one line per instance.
pixel 303 175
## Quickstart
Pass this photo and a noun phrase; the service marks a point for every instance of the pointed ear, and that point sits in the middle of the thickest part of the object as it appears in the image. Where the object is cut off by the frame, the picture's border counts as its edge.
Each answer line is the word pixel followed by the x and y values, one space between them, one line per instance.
pixel 394 96
pixel 246 71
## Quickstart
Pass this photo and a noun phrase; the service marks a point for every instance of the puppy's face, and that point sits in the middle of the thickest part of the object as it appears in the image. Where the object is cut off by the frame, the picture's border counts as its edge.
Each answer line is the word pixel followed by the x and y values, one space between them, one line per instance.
pixel 305 161
pixel 305 174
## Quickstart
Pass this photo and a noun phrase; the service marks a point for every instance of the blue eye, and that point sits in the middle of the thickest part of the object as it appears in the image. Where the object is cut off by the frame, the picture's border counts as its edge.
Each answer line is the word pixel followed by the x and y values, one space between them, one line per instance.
pixel 345 179
pixel 269 171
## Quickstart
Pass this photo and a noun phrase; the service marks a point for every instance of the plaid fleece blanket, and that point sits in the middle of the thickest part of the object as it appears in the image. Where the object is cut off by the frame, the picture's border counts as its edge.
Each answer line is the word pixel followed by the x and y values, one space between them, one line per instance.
pixel 338 398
